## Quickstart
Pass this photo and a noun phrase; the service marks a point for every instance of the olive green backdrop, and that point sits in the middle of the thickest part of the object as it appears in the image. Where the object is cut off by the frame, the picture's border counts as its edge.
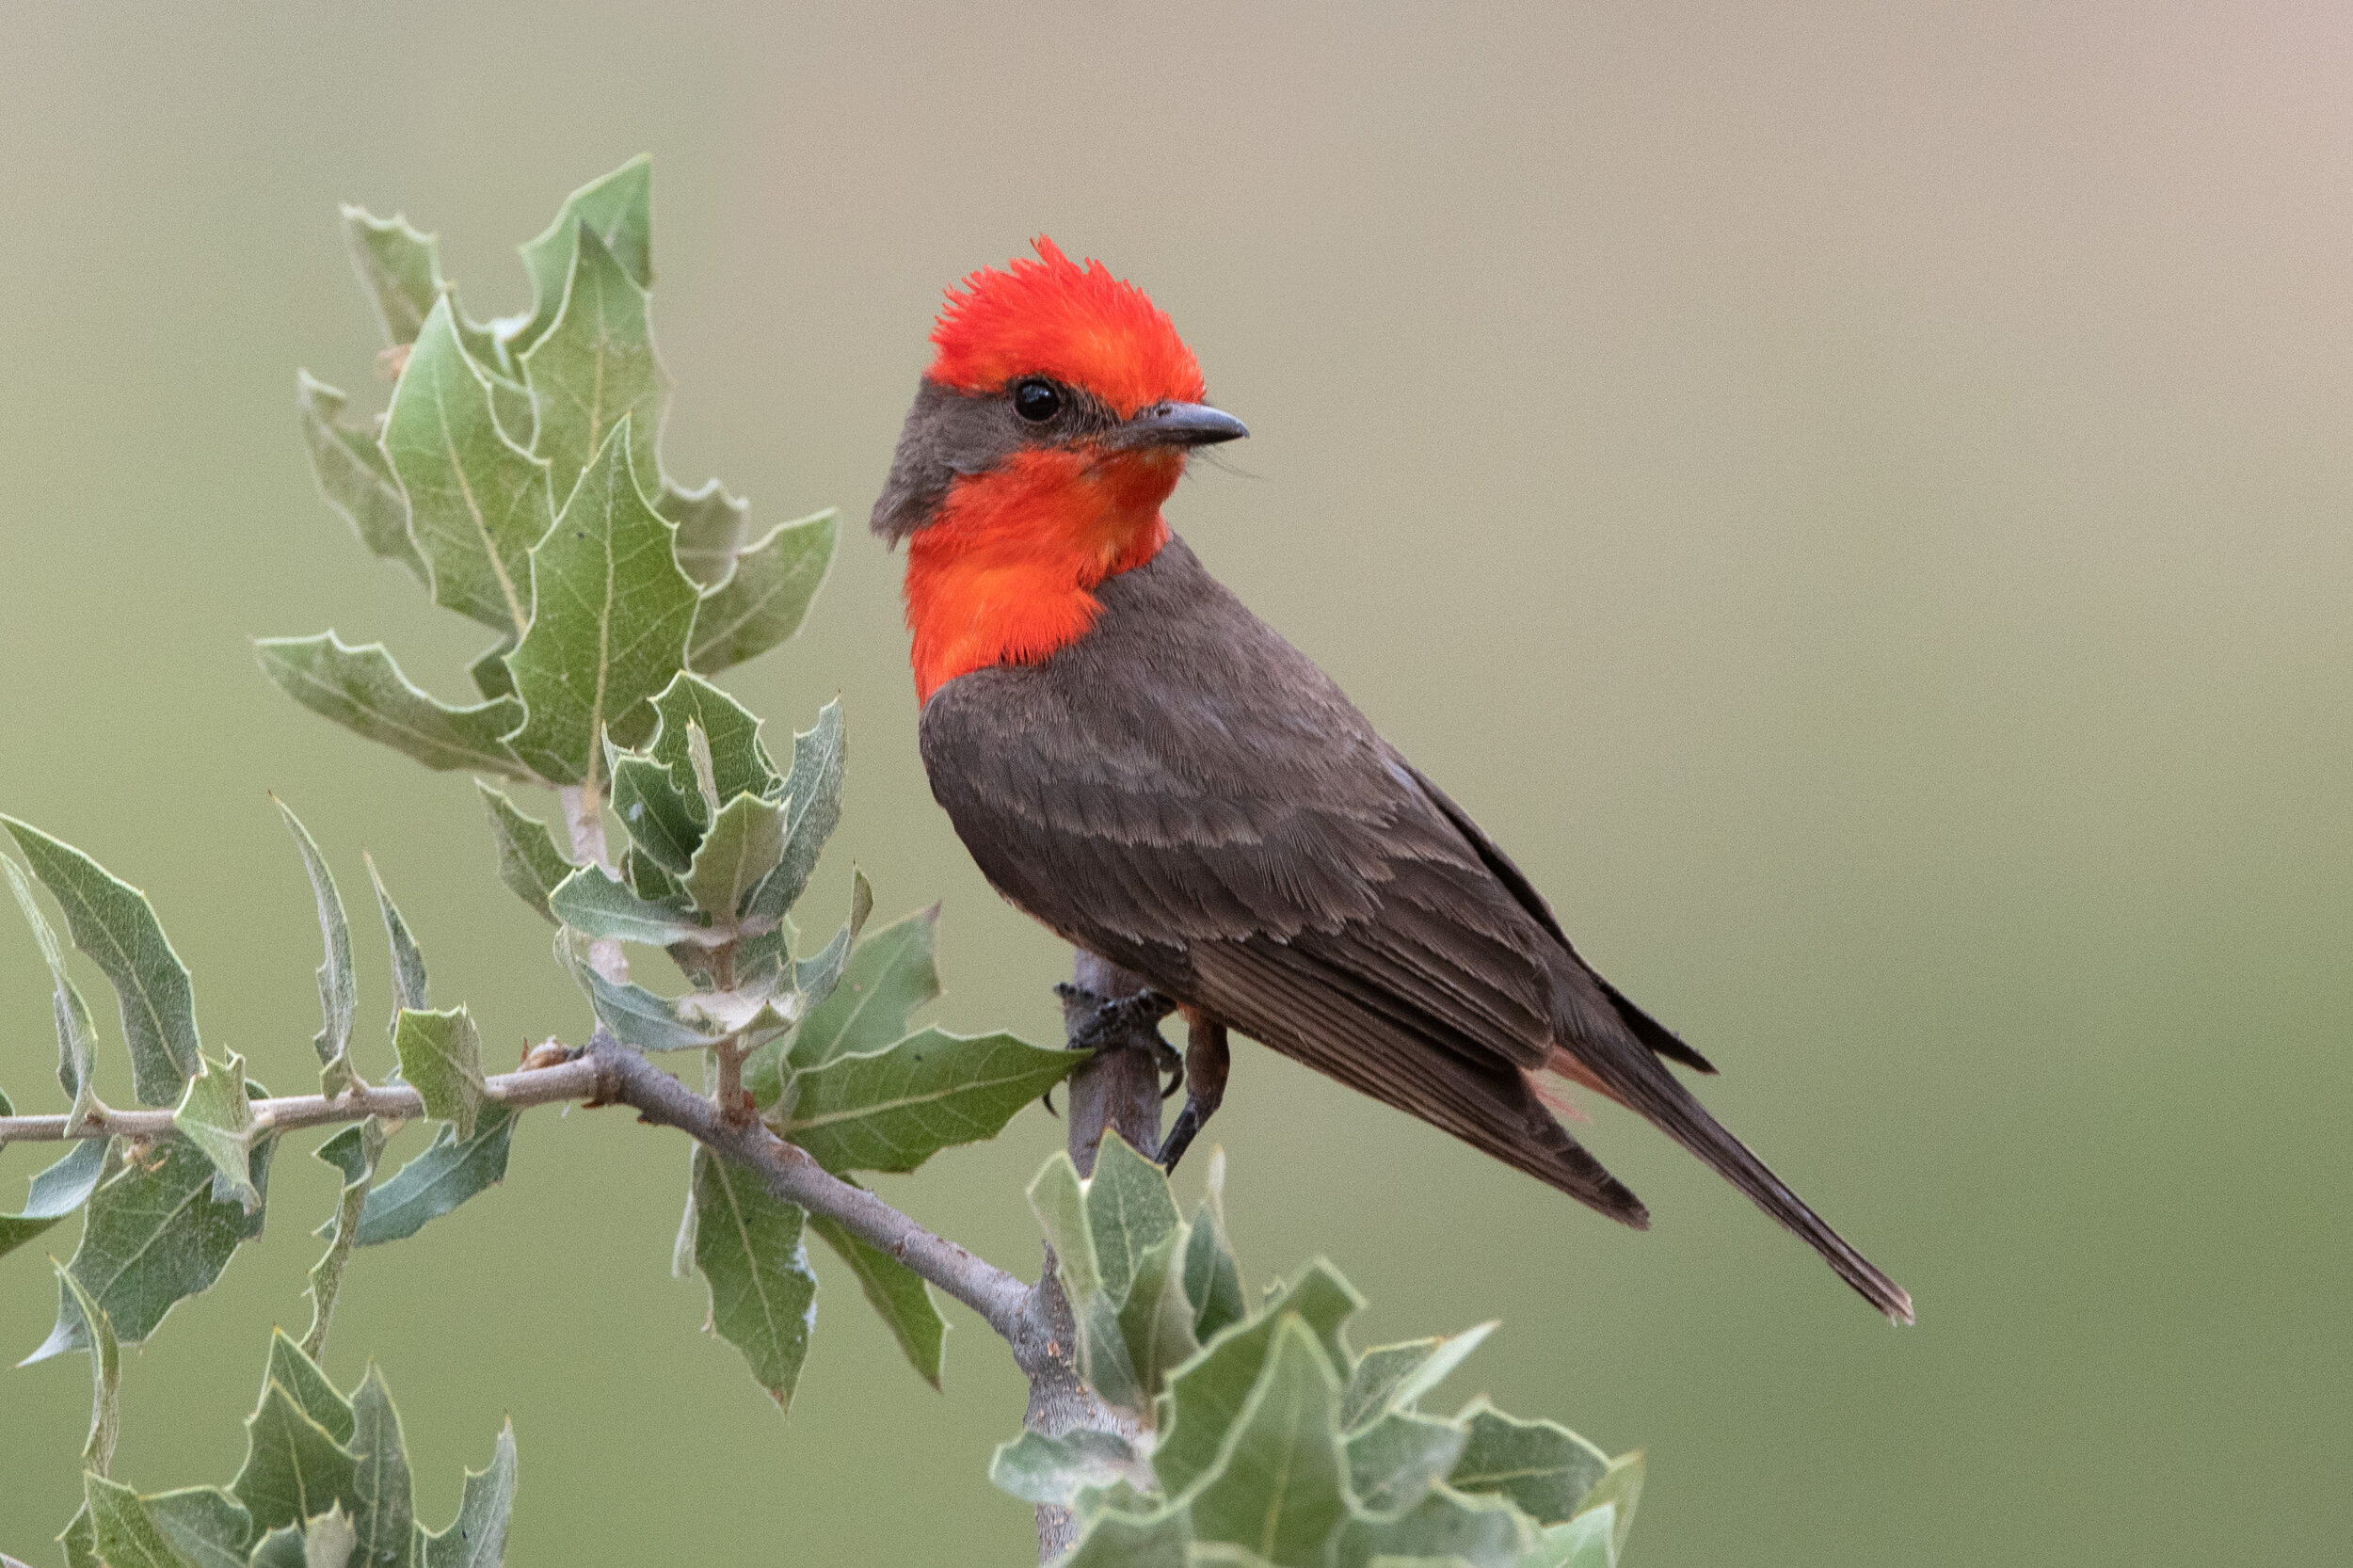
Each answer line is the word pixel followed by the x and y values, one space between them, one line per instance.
pixel 1858 505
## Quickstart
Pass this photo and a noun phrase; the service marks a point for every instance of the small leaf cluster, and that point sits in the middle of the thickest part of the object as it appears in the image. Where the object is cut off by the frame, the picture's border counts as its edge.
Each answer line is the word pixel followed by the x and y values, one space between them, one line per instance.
pixel 516 474
pixel 325 1484
pixel 164 1217
pixel 162 1221
pixel 1266 1438
pixel 720 844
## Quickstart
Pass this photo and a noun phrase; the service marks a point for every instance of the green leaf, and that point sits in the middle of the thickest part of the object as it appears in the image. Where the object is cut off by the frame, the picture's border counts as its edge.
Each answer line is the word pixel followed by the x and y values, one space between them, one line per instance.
pixel 739 762
pixel 80 1541
pixel 1619 1489
pixel 354 475
pixel 892 974
pixel 450 1171
pixel 765 599
pixel 1484 1533
pixel 1057 1197
pixel 594 902
pixel 384 1522
pixel 763 1295
pixel 215 1116
pixel 124 1536
pixel 1280 1485
pixel 711 529
pixel 1060 1202
pixel 1543 1466
pixel 812 797
pixel 815 977
pixel 744 843
pixel 661 820
pixel 1207 1394
pixel 113 923
pixel 897 1294
pixel 77 1036
pixel 106 1365
pixel 1129 1212
pixel 857 1006
pixel 595 373
pixel 158 1232
pixel 1587 1540
pixel 441 1057
pixel 488 671
pixel 294 1470
pixel 328 1540
pixel 610 614
pixel 650 881
pixel 204 1524
pixel 339 996
pixel 281 1548
pixel 1393 1461
pixel 362 690
pixel 354 1151
pixel 618 209
pixel 293 1370
pixel 410 989
pixel 1155 1320
pixel 478 502
pixel 477 1537
pixel 57 1191
pixel 1392 1377
pixel 1212 1277
pixel 347 1152
pixel 1041 1469
pixel 1118 1541
pixel 400 269
pixel 529 861
pixel 892 1109
pixel 639 1018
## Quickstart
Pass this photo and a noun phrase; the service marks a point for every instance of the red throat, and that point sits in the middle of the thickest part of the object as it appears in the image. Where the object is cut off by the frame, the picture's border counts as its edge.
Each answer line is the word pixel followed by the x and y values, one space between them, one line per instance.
pixel 1005 572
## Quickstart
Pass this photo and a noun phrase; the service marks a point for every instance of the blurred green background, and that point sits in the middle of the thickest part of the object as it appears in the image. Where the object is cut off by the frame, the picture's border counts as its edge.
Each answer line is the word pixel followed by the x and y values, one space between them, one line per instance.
pixel 1856 501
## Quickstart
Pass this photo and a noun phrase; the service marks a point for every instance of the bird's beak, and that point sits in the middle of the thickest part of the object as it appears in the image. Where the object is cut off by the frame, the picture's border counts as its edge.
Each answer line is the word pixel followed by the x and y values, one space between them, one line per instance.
pixel 1180 425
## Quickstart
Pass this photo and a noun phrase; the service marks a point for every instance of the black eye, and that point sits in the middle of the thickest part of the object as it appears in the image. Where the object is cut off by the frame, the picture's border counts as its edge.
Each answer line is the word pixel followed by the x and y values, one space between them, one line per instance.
pixel 1036 401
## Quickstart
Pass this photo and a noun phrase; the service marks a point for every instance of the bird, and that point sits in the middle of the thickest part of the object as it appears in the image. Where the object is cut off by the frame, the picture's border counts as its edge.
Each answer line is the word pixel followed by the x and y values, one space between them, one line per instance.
pixel 1146 768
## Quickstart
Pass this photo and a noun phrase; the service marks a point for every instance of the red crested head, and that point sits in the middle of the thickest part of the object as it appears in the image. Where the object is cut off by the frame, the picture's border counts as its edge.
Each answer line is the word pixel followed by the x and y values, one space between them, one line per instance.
pixel 1077 325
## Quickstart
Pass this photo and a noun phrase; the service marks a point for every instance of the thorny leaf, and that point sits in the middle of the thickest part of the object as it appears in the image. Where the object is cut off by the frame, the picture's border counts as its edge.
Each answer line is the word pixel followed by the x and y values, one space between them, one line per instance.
pixel 610 616
pixel 113 923
pixel 748 1245
pixel 339 996
pixel 478 502
pixel 362 689
pixel 354 475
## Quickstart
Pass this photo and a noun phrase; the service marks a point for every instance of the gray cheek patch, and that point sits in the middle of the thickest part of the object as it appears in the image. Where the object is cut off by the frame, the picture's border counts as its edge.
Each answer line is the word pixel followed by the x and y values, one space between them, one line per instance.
pixel 949 434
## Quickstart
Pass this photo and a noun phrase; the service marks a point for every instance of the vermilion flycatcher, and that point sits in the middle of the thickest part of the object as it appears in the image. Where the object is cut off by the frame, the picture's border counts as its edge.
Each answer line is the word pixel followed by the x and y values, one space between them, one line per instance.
pixel 1150 770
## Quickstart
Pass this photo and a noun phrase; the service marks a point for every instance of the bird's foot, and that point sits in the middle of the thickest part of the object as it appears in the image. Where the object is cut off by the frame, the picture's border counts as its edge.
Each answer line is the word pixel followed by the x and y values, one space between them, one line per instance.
pixel 1097 1022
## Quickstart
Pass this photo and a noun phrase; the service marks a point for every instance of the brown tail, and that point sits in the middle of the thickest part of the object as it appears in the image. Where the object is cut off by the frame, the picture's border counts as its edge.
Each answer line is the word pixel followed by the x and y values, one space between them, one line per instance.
pixel 1633 1079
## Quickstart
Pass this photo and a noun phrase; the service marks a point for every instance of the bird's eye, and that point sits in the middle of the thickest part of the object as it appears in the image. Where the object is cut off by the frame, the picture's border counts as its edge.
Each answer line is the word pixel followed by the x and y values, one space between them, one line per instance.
pixel 1036 401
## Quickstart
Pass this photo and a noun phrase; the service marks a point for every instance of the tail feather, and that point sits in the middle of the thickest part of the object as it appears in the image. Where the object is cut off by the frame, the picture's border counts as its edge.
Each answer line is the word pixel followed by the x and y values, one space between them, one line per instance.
pixel 1633 1078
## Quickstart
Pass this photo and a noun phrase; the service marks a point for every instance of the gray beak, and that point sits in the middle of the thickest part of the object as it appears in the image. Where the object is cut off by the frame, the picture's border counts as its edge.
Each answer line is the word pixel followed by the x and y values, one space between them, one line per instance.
pixel 1182 425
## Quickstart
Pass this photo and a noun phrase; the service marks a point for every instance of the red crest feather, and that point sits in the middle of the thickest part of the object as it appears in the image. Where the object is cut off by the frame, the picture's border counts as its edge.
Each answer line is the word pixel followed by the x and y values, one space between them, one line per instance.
pixel 1078 325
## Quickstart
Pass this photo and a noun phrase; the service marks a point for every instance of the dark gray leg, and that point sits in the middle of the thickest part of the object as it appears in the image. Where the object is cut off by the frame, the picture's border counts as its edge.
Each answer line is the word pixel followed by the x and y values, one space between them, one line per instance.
pixel 1207 1060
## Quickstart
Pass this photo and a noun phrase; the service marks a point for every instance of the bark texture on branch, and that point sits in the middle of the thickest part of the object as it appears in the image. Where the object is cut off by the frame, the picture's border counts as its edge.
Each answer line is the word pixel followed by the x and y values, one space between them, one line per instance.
pixel 624 1076
pixel 393 1102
